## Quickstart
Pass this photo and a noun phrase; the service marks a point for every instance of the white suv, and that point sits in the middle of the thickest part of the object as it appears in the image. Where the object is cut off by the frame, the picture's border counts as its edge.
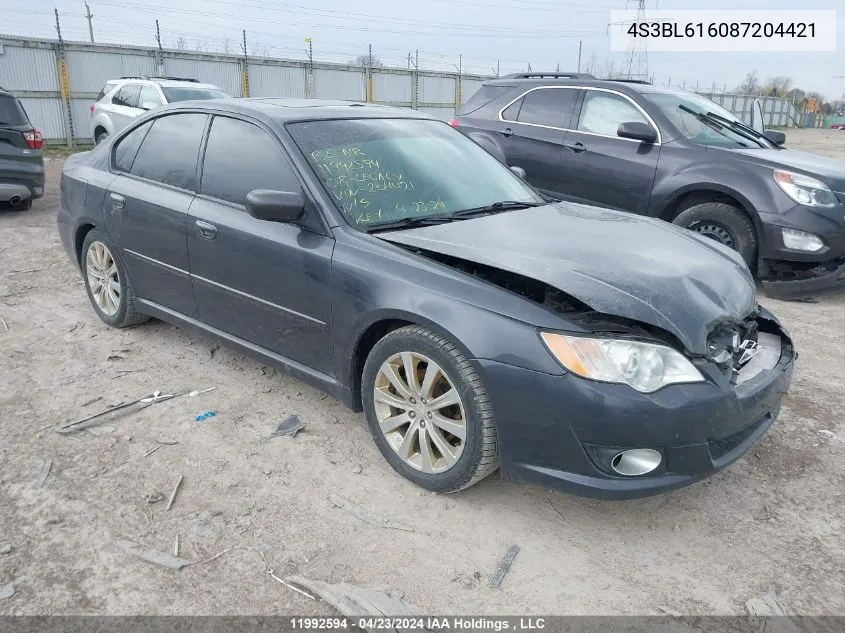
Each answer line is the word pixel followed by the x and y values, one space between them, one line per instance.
pixel 121 100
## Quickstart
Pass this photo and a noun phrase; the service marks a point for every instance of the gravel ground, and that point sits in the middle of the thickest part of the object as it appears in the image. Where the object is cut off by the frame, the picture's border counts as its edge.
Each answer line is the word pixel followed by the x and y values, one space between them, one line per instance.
pixel 772 521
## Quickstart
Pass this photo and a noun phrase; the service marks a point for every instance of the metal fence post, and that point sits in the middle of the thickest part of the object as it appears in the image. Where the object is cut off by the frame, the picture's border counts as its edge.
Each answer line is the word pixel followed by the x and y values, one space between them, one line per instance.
pixel 415 82
pixel 64 85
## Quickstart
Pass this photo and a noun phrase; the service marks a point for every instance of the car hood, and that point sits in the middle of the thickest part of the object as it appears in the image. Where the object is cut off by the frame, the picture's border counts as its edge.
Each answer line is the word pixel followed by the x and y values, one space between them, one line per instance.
pixel 618 264
pixel 830 170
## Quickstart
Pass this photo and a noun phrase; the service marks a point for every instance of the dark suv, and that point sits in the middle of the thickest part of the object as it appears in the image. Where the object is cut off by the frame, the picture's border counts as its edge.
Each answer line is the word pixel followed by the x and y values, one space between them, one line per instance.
pixel 676 156
pixel 21 163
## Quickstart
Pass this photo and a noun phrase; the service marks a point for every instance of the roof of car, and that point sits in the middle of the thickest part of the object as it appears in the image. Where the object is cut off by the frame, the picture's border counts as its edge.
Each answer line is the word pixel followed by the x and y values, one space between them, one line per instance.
pixel 302 109
pixel 574 79
pixel 165 82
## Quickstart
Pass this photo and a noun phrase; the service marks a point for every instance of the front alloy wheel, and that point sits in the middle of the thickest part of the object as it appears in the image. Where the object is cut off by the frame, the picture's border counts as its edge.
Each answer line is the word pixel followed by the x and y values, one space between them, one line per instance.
pixel 420 412
pixel 428 410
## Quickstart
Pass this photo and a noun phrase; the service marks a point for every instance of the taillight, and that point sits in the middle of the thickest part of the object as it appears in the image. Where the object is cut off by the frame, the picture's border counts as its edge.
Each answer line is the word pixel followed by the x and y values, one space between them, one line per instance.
pixel 91 108
pixel 454 123
pixel 34 140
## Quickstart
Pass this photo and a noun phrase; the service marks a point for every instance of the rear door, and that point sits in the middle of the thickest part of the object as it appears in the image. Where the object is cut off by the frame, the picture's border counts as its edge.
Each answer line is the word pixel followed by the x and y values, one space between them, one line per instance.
pixel 124 106
pixel 533 128
pixel 147 206
pixel 19 164
pixel 602 168
pixel 265 282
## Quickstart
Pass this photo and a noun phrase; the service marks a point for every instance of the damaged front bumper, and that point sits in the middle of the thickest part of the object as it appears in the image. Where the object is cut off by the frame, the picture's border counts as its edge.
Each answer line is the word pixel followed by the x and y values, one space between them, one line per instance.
pixel 564 431
pixel 822 279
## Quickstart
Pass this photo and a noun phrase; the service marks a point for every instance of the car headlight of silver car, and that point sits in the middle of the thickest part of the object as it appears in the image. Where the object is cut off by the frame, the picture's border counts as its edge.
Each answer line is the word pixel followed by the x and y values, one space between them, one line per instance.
pixel 805 190
pixel 644 366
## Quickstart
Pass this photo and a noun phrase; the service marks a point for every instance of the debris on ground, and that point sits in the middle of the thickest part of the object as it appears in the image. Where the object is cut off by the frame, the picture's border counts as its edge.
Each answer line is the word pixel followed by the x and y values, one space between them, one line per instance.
pixel 205 415
pixel 46 467
pixel 504 566
pixel 147 400
pixel 467 581
pixel 91 401
pixel 114 357
pixel 366 515
pixel 828 435
pixel 357 470
pixel 289 426
pixel 7 549
pixel 352 600
pixel 152 450
pixel 765 605
pixel 5 325
pixel 193 394
pixel 173 494
pixel 7 591
pixel 552 506
pixel 176 546
pixel 153 497
pixel 152 556
pixel 668 611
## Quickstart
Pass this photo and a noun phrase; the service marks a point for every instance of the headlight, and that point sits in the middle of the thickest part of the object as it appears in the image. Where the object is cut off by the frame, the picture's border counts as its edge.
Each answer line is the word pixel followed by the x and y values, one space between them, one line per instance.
pixel 805 190
pixel 644 366
pixel 801 240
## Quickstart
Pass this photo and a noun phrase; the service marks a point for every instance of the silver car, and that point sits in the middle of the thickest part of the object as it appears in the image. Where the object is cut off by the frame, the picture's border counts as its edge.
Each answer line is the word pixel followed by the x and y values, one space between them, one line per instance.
pixel 121 100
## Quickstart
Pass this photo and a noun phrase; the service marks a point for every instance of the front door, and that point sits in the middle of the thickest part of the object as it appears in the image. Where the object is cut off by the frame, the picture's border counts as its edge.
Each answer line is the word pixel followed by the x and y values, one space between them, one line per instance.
pixel 267 283
pixel 601 168
pixel 532 130
pixel 147 205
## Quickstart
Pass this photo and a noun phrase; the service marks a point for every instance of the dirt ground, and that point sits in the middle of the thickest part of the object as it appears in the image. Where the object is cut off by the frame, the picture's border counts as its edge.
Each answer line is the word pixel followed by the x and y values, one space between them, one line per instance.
pixel 771 521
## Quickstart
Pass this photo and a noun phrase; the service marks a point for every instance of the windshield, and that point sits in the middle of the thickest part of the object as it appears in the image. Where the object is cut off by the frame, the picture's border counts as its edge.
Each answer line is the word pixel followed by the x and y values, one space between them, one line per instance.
pixel 712 133
pixel 380 171
pixel 190 94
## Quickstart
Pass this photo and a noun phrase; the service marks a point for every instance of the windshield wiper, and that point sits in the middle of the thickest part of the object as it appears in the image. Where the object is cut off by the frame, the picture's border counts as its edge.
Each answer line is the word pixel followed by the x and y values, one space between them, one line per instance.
pixel 715 119
pixel 496 207
pixel 406 223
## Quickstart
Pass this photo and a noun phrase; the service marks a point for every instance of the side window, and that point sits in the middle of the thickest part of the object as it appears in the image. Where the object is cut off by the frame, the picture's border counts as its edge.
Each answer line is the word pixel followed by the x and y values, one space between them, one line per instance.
pixel 148 95
pixel 107 87
pixel 127 147
pixel 512 111
pixel 127 96
pixel 169 151
pixel 602 113
pixel 241 157
pixel 548 106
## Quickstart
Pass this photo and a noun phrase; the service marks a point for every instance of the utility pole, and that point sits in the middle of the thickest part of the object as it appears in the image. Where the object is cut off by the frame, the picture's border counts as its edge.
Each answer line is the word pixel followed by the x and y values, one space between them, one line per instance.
pixel 90 27
pixel 415 81
pixel 370 75
pixel 580 44
pixel 160 59
pixel 244 70
pixel 64 83
pixel 309 92
pixel 497 69
pixel 458 84
pixel 557 67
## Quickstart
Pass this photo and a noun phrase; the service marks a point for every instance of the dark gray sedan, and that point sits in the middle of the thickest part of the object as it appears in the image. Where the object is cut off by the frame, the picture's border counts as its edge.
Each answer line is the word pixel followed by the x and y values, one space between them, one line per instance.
pixel 387 259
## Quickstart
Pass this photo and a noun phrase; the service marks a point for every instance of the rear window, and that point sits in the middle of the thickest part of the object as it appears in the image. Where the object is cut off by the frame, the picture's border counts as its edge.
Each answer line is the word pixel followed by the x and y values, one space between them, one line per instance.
pixel 11 111
pixel 485 95
pixel 190 94
pixel 107 88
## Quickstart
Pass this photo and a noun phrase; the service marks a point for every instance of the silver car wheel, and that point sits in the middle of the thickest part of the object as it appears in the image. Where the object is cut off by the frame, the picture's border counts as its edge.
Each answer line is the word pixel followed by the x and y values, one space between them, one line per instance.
pixel 103 278
pixel 420 412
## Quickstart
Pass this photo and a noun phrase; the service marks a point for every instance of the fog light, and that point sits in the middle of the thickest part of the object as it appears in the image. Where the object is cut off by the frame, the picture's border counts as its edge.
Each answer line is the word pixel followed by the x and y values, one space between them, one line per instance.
pixel 637 461
pixel 801 241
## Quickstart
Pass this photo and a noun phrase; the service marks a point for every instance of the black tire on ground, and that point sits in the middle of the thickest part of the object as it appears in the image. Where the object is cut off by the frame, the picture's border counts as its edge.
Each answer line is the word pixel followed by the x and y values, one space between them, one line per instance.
pixel 480 456
pixel 127 314
pixel 724 223
pixel 23 205
pixel 100 136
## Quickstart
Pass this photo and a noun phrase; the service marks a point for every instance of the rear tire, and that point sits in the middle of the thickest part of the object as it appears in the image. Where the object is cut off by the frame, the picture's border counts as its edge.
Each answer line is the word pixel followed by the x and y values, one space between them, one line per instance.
pixel 442 448
pixel 723 223
pixel 107 283
pixel 100 136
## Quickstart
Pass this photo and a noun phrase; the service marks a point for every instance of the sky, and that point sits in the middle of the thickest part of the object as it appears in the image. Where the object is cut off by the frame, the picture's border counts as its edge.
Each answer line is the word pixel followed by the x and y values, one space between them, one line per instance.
pixel 480 35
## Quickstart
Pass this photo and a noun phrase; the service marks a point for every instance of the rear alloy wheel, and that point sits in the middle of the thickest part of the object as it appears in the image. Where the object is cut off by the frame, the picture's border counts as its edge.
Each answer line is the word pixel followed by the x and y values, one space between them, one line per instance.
pixel 723 223
pixel 428 411
pixel 108 286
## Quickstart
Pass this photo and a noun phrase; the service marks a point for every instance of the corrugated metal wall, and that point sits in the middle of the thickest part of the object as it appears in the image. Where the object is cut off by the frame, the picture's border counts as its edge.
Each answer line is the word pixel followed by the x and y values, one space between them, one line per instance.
pixel 29 67
pixel 272 80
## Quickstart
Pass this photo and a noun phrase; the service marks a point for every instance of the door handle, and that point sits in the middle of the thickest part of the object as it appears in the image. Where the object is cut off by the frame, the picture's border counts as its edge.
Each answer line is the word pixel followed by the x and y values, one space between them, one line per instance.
pixel 117 201
pixel 207 231
pixel 507 132
pixel 576 147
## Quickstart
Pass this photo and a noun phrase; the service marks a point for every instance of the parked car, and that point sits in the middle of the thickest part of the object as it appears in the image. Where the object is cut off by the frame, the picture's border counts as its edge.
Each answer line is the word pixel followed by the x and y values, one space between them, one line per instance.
pixel 122 100
pixel 21 162
pixel 837 126
pixel 391 262
pixel 676 156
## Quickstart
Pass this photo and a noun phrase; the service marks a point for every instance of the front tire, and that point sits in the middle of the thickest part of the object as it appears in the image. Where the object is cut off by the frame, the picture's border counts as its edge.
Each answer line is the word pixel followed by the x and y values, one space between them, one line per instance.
pixel 429 411
pixel 107 283
pixel 725 224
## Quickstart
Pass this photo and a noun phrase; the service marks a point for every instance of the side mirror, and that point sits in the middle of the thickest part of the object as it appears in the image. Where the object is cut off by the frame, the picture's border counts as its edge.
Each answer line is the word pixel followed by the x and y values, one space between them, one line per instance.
pixel 275 206
pixel 638 131
pixel 149 105
pixel 519 171
pixel 775 136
